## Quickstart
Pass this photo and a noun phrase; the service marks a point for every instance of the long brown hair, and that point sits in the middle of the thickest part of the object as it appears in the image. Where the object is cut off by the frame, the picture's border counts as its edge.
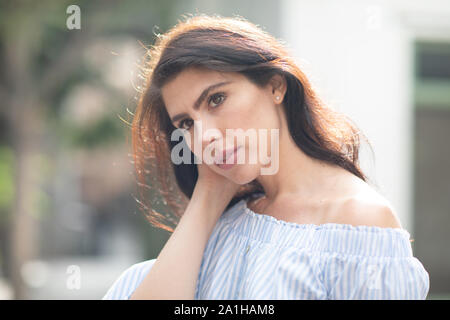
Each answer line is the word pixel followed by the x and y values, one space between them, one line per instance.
pixel 226 45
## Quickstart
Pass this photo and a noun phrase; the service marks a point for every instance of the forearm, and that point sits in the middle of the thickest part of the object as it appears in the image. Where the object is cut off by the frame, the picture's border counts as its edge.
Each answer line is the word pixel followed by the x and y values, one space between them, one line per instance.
pixel 175 271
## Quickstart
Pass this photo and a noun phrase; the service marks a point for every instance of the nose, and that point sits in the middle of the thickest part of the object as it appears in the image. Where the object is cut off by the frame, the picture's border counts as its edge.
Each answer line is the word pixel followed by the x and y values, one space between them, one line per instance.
pixel 207 133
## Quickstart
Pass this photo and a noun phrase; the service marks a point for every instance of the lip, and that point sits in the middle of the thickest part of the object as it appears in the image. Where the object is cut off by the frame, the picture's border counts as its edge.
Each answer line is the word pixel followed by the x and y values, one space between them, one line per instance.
pixel 226 154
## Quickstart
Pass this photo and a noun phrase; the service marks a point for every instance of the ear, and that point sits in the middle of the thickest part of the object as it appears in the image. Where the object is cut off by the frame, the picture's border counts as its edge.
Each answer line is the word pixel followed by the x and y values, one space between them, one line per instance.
pixel 278 87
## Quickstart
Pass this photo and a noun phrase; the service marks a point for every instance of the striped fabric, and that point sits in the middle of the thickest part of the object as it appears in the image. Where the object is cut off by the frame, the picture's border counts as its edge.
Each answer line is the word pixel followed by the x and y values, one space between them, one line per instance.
pixel 256 256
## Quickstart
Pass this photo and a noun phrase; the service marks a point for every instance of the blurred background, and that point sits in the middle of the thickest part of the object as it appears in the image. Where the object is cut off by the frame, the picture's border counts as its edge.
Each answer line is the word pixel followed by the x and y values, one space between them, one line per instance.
pixel 69 221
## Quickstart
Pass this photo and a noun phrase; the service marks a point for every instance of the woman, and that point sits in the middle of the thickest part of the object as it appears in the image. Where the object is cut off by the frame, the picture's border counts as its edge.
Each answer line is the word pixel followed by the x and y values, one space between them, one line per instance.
pixel 313 228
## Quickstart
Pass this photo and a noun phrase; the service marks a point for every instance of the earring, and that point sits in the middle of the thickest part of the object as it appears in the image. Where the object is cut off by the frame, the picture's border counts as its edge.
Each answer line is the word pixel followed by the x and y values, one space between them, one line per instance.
pixel 278 98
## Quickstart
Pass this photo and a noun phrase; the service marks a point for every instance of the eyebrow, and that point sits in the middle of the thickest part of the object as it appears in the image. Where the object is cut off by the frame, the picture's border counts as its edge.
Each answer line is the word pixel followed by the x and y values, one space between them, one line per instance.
pixel 200 99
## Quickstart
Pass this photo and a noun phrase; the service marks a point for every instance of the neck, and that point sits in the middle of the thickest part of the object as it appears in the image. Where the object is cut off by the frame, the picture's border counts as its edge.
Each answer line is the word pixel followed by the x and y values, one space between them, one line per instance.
pixel 300 175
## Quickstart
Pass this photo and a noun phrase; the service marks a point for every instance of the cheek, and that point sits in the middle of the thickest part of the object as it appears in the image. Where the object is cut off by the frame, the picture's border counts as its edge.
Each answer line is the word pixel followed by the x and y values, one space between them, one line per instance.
pixel 189 139
pixel 251 116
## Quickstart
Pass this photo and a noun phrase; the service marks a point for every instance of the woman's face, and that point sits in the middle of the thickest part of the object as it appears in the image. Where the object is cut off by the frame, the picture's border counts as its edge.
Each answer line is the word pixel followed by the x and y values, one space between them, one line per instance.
pixel 233 103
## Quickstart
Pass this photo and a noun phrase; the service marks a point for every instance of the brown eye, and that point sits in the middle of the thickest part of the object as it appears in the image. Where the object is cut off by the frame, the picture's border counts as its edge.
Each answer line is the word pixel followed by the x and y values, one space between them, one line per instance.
pixel 186 124
pixel 217 99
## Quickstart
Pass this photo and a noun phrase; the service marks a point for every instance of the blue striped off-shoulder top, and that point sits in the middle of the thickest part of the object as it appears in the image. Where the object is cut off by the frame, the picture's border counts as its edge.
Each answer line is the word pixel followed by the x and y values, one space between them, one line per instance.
pixel 256 256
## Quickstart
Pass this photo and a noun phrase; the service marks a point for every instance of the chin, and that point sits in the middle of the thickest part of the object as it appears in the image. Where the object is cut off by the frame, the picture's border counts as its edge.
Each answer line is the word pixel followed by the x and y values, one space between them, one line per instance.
pixel 242 173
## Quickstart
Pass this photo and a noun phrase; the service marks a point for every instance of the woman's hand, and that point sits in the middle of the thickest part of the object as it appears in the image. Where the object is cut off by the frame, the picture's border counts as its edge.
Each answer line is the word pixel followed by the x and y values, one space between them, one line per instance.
pixel 174 274
pixel 216 185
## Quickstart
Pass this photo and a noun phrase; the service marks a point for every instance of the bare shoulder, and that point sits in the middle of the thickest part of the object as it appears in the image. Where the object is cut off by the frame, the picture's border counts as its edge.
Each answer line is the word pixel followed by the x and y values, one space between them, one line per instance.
pixel 369 208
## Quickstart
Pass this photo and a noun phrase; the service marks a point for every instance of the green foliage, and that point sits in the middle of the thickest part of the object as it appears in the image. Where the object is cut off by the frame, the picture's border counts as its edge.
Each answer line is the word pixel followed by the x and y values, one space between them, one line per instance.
pixel 6 181
pixel 107 130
